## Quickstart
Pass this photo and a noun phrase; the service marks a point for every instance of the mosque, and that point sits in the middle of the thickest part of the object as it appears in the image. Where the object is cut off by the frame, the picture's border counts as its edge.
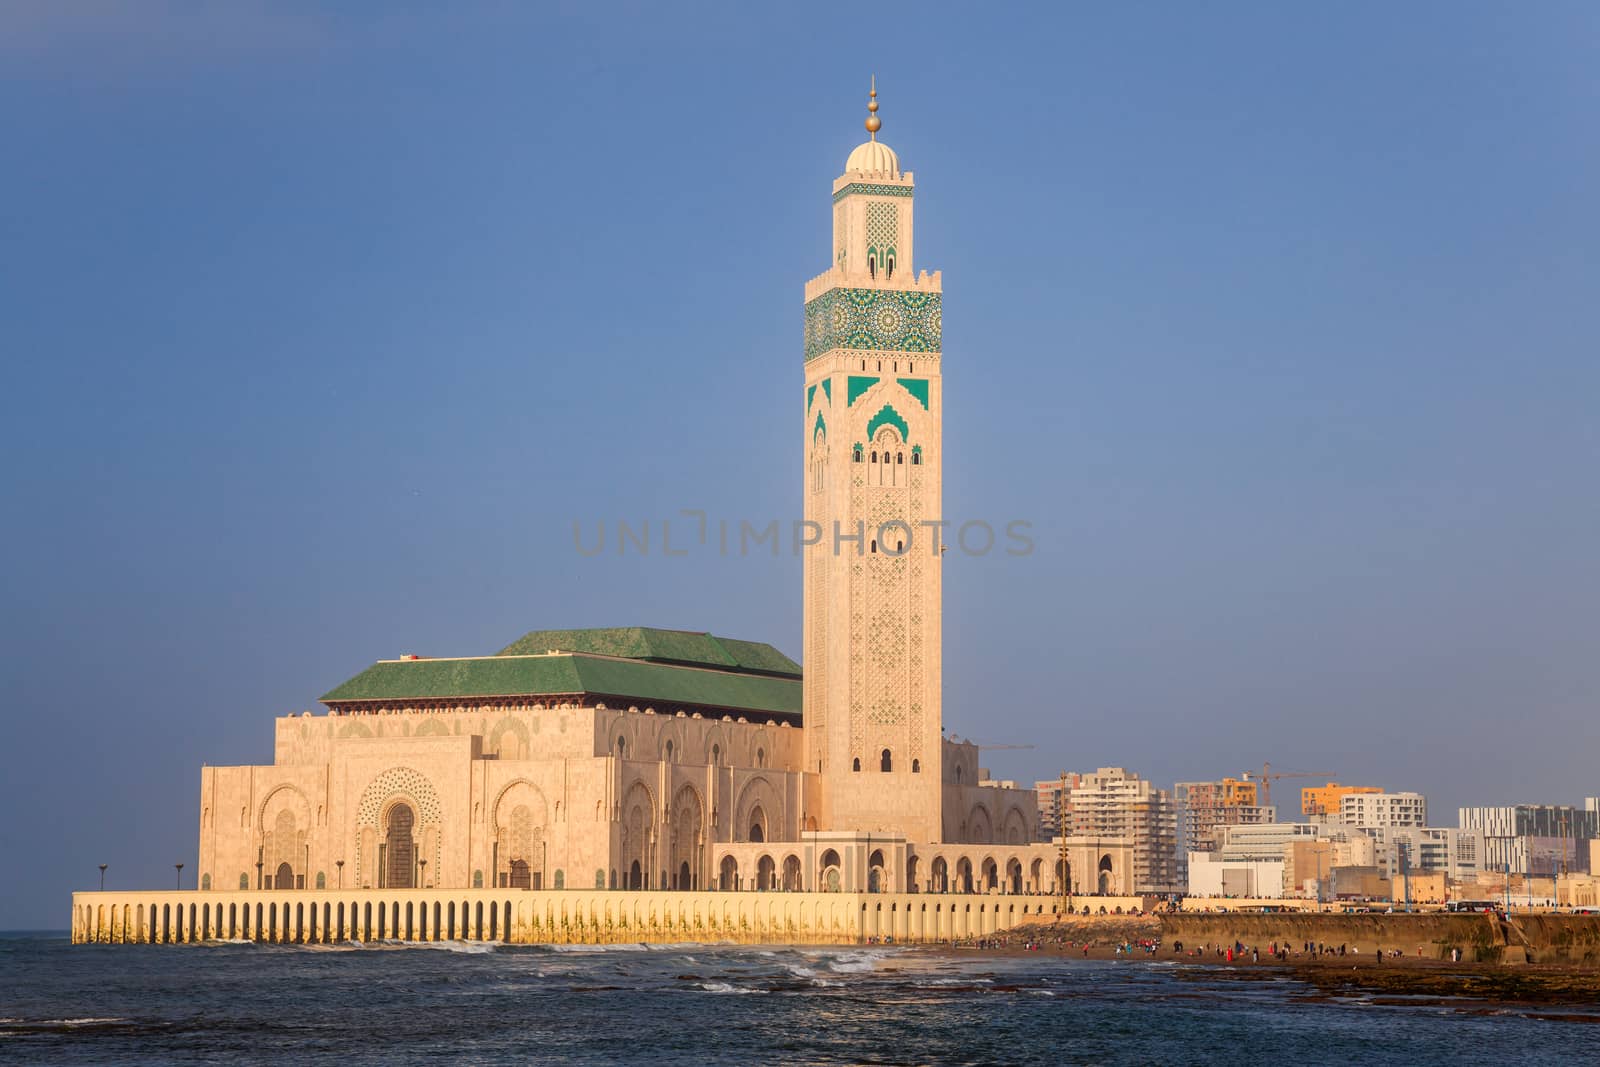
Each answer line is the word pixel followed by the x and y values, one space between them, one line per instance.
pixel 650 759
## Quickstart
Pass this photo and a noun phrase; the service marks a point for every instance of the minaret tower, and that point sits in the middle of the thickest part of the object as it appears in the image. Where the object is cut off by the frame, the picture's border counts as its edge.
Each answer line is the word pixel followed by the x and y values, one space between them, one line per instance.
pixel 873 403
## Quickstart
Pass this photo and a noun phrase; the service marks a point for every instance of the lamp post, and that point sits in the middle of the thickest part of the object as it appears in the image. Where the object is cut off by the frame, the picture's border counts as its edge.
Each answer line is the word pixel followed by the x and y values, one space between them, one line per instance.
pixel 340 864
pixel 423 864
pixel 179 866
pixel 1066 866
pixel 103 867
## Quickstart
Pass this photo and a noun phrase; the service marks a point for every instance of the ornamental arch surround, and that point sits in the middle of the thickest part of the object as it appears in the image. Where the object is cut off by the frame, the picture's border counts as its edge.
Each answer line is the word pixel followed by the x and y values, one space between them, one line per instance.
pixel 383 793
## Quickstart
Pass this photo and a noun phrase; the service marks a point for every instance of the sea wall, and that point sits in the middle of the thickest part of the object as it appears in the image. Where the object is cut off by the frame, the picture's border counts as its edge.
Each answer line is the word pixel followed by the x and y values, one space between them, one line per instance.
pixel 520 916
pixel 1570 939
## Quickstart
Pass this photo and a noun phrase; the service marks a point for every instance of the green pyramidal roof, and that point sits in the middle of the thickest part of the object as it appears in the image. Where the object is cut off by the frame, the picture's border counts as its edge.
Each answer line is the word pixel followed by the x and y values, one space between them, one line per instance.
pixel 670 668
pixel 660 646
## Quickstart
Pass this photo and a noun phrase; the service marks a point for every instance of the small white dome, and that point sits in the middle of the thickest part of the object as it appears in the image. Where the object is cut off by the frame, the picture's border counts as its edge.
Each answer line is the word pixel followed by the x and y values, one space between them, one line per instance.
pixel 874 157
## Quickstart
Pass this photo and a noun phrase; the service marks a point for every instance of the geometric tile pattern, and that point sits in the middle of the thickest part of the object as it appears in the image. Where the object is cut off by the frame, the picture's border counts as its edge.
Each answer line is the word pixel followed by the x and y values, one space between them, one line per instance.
pixel 883 228
pixel 885 320
pixel 869 189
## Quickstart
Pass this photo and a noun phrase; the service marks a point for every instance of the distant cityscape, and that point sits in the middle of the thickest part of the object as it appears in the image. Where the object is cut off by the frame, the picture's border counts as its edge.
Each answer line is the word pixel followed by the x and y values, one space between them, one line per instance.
pixel 1342 842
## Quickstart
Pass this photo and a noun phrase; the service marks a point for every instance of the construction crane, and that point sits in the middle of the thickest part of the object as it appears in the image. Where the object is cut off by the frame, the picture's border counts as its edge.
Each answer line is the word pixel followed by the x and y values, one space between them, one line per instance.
pixel 1266 778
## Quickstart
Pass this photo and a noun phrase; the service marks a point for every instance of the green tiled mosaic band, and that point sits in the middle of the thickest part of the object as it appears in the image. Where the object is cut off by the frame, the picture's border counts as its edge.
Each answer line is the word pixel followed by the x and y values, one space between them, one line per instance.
pixel 865 189
pixel 889 320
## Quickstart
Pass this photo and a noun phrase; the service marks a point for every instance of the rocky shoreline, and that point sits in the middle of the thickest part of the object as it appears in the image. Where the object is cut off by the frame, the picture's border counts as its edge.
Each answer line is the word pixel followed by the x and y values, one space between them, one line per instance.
pixel 1413 981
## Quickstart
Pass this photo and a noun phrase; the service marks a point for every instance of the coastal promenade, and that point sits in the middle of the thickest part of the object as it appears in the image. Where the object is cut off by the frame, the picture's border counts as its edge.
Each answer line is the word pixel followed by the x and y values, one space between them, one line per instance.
pixel 562 916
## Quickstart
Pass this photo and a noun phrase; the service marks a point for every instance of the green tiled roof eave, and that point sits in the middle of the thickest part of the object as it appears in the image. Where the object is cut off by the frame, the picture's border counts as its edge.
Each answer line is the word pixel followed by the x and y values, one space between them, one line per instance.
pixel 759 656
pixel 659 683
pixel 667 685
pixel 446 678
pixel 647 643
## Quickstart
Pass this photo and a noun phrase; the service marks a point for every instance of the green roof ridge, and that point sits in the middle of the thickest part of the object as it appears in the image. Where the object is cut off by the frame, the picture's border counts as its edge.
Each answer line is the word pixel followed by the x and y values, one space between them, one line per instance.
pixel 649 643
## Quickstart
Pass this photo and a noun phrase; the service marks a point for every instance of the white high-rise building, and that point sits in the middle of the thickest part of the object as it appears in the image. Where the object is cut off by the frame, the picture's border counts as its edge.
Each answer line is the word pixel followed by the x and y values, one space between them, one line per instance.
pixel 1113 804
pixel 1367 811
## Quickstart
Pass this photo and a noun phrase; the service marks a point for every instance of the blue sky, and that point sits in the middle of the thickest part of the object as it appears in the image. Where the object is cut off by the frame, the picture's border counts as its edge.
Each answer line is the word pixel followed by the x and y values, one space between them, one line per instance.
pixel 321 327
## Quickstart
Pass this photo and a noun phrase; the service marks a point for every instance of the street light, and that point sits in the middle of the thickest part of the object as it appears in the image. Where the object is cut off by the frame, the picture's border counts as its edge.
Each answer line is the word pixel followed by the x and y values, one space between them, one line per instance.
pixel 103 867
pixel 424 878
pixel 340 864
pixel 180 874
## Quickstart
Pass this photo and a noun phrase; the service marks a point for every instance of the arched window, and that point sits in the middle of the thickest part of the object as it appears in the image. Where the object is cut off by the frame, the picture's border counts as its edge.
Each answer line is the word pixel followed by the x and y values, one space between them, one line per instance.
pixel 916 459
pixel 669 751
pixel 856 453
pixel 855 765
pixel 874 457
pixel 916 766
pixel 888 263
pixel 716 755
pixel 761 757
pixel 874 545
pixel 872 264
pixel 899 457
pixel 622 747
pixel 885 762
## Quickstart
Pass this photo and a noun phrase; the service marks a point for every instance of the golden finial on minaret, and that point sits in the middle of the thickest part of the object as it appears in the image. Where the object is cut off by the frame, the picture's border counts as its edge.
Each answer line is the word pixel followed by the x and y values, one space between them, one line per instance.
pixel 874 123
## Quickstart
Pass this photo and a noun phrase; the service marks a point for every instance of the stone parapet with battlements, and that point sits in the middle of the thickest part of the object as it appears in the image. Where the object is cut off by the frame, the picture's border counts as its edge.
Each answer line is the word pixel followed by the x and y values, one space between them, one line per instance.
pixel 835 278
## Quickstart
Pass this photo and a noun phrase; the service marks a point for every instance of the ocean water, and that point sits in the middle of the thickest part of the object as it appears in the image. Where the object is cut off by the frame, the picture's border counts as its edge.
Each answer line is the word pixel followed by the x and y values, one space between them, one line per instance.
pixel 707 1004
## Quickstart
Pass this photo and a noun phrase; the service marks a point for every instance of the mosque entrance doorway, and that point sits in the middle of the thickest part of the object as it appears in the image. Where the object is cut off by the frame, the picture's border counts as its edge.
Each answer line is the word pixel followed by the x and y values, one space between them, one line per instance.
pixel 284 879
pixel 1105 876
pixel 520 876
pixel 400 858
pixel 683 876
pixel 635 876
